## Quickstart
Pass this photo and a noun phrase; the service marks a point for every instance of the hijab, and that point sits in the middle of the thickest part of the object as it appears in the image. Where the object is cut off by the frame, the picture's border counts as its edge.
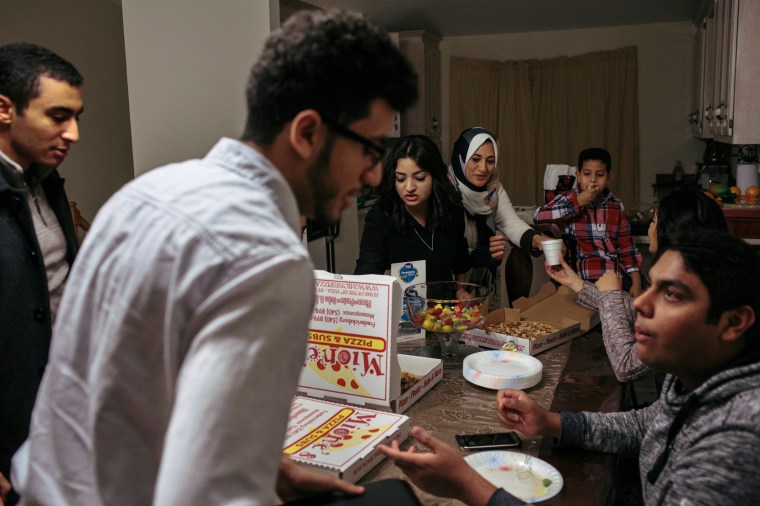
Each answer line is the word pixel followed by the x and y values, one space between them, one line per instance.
pixel 475 198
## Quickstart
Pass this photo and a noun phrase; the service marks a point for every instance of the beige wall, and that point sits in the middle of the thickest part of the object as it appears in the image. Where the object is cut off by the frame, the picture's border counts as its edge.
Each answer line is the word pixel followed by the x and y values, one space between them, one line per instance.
pixel 666 65
pixel 166 94
pixel 89 34
pixel 187 64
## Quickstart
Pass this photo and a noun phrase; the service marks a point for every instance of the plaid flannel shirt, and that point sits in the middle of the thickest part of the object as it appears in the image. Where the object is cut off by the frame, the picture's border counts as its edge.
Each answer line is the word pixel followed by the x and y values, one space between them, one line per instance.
pixel 600 231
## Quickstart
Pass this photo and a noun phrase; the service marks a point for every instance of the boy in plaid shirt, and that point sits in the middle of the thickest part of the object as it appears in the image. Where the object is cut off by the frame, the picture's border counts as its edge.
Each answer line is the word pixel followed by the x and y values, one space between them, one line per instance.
pixel 596 230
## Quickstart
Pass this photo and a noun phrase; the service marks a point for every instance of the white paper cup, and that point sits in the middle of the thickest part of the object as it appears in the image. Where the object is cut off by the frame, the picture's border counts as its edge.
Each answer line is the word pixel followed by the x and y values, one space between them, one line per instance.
pixel 552 251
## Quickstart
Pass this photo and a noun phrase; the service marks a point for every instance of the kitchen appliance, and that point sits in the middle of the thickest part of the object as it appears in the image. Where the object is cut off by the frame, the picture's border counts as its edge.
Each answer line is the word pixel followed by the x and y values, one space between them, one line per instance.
pixel 747 168
pixel 747 175
pixel 707 174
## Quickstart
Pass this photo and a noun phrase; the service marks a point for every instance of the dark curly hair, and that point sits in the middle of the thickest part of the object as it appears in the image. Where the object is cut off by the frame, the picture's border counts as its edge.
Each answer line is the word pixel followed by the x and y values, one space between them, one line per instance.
pixel 333 61
pixel 21 67
pixel 444 200
pixel 687 208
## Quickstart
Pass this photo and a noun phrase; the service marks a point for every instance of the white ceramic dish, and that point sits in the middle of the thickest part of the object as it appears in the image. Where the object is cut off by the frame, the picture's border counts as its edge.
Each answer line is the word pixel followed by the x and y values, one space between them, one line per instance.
pixel 498 369
pixel 498 467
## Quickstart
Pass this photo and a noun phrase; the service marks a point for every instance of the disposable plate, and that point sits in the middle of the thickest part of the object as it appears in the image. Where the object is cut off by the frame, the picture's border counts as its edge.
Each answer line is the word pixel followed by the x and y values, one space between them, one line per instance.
pixel 502 369
pixel 499 467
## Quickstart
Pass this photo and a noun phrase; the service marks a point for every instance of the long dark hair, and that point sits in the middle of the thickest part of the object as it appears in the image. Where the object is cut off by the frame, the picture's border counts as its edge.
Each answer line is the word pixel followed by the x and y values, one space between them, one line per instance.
pixel 444 200
pixel 687 208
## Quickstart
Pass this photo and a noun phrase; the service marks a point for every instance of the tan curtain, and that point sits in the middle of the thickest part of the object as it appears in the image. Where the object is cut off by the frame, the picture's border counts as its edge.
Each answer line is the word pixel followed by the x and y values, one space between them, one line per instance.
pixel 476 83
pixel 548 111
pixel 516 133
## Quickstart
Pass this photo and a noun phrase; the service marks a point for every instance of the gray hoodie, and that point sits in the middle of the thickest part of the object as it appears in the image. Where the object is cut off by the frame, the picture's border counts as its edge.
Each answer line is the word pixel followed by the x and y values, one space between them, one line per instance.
pixel 714 455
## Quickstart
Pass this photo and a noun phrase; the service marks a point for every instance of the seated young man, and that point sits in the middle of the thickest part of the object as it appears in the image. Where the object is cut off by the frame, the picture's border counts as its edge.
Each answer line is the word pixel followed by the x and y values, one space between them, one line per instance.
pixel 594 225
pixel 700 442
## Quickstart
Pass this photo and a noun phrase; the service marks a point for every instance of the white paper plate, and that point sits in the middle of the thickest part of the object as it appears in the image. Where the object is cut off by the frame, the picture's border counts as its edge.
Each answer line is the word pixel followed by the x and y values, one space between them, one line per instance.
pixel 498 467
pixel 502 369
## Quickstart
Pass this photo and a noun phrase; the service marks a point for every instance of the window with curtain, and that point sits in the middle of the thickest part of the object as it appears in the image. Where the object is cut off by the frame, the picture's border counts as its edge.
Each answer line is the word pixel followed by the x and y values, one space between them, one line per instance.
pixel 547 111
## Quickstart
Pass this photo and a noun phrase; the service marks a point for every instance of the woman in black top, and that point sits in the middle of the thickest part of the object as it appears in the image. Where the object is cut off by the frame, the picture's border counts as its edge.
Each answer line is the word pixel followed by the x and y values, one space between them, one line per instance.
pixel 417 217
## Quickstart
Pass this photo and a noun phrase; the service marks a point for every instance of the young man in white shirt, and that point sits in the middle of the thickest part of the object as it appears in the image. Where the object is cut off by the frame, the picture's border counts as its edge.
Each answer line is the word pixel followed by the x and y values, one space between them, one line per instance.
pixel 186 316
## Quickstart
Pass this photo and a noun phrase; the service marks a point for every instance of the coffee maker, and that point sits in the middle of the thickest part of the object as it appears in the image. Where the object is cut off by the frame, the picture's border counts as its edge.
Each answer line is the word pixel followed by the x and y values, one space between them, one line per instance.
pixel 715 167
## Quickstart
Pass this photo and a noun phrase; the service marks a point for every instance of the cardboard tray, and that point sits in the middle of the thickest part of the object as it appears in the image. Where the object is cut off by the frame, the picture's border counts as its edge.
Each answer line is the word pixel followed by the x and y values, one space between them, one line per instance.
pixel 339 439
pixel 352 352
pixel 550 305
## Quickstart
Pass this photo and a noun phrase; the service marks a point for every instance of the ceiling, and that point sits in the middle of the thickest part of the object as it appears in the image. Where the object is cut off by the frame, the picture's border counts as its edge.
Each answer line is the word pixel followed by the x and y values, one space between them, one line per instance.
pixel 478 17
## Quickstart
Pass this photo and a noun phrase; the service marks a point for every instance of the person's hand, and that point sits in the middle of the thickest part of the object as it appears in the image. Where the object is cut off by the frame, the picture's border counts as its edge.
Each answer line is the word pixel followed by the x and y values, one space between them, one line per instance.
pixel 589 194
pixel 297 480
pixel 463 294
pixel 538 239
pixel 608 282
pixel 517 411
pixel 441 471
pixel 564 275
pixel 498 247
pixel 5 487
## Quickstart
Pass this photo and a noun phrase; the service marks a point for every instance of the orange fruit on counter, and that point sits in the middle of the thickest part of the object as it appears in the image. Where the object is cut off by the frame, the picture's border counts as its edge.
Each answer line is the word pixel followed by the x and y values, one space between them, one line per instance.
pixel 752 192
pixel 736 191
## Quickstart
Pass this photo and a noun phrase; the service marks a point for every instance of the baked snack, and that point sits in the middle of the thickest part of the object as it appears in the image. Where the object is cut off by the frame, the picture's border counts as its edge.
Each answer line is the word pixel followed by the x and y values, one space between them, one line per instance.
pixel 526 329
pixel 408 380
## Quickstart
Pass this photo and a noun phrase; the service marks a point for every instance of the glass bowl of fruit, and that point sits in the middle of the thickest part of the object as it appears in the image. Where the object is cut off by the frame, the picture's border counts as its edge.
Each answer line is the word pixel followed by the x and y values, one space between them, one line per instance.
pixel 447 309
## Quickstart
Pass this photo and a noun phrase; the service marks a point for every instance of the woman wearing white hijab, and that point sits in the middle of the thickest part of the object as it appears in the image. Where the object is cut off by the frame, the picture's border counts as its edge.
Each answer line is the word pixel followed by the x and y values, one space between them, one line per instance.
pixel 489 212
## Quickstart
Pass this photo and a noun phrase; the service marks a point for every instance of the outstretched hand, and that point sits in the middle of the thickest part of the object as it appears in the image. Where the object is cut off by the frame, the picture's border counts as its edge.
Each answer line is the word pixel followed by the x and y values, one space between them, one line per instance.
pixel 517 411
pixel 564 275
pixel 298 480
pixel 440 471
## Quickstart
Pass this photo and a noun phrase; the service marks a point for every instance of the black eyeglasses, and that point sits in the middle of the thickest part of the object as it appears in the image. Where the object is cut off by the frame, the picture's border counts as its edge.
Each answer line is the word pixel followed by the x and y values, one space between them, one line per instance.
pixel 375 151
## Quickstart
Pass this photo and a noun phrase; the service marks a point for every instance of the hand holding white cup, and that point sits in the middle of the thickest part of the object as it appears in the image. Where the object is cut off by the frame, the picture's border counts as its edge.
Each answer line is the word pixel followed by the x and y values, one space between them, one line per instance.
pixel 552 251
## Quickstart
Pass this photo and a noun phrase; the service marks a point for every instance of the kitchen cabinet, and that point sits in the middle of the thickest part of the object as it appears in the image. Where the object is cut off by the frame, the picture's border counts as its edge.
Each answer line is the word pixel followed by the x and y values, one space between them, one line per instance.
pixel 421 49
pixel 728 74
pixel 743 221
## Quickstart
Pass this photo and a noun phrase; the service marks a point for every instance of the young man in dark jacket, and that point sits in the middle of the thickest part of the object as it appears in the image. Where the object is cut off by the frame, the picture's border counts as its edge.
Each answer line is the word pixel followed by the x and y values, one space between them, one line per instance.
pixel 40 103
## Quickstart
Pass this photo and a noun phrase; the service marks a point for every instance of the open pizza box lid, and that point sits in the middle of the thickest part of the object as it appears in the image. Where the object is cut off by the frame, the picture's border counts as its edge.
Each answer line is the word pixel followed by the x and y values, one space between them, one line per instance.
pixel 340 439
pixel 550 305
pixel 352 350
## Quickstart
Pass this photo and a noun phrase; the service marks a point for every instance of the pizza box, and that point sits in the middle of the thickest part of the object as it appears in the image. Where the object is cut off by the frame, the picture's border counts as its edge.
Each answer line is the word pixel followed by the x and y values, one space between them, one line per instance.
pixel 340 439
pixel 557 307
pixel 352 348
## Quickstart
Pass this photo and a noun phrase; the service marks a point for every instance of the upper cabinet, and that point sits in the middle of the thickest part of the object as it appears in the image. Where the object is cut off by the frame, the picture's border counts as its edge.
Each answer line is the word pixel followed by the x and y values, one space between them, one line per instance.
pixel 421 48
pixel 728 74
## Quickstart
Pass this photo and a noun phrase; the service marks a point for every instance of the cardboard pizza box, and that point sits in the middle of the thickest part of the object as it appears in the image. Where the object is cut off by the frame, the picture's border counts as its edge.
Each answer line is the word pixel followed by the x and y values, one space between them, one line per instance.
pixel 340 439
pixel 557 307
pixel 352 350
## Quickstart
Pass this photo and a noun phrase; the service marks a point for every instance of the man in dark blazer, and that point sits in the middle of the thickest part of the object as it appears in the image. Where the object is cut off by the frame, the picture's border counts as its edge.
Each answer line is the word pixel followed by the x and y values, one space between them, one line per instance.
pixel 40 104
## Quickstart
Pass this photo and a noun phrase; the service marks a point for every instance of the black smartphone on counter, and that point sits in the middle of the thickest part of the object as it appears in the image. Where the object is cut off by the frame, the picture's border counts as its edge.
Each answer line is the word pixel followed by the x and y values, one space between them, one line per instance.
pixel 492 441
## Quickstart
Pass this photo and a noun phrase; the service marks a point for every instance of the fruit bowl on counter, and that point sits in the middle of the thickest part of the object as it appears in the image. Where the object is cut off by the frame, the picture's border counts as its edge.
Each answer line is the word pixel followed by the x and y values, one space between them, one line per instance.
pixel 733 194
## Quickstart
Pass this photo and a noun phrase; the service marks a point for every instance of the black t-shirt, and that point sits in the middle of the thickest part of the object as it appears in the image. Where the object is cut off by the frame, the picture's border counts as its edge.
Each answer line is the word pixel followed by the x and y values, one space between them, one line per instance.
pixel 383 245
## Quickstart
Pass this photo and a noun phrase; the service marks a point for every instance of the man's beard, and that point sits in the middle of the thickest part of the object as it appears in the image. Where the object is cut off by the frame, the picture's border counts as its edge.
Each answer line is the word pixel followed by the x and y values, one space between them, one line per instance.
pixel 324 189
